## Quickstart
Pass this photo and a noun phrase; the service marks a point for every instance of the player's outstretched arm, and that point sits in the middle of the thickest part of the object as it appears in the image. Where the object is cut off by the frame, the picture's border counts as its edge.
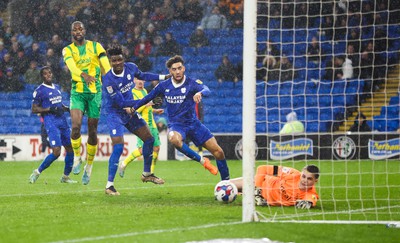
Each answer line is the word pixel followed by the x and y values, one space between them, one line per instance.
pixel 149 97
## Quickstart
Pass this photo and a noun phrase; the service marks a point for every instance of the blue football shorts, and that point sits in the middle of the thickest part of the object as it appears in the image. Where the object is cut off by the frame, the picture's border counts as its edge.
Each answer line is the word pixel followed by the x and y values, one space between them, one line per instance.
pixel 117 124
pixel 196 131
pixel 59 133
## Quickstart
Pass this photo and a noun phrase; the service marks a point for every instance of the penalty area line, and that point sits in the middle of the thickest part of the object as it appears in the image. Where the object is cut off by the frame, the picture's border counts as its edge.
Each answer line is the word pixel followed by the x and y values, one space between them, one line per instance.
pixel 150 232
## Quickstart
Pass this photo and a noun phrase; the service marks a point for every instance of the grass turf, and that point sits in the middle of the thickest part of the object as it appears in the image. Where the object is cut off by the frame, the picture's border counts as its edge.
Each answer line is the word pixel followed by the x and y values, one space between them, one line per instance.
pixel 184 208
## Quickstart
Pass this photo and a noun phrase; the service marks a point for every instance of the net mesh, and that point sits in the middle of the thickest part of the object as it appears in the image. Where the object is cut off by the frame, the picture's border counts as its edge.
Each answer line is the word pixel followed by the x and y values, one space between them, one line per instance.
pixel 335 65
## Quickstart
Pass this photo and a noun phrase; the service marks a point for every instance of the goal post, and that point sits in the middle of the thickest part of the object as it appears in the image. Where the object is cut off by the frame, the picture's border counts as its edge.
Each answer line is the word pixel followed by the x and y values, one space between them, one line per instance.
pixel 249 108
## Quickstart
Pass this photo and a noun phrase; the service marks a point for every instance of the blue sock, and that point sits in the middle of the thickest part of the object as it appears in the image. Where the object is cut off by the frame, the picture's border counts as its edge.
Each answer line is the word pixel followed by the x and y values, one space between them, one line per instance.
pixel 148 154
pixel 47 162
pixel 223 169
pixel 113 161
pixel 189 152
pixel 69 161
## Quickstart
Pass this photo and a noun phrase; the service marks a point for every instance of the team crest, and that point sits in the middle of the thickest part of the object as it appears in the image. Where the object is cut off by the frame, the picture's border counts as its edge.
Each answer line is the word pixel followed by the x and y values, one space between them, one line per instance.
pixel 199 81
pixel 110 89
pixel 183 90
pixel 129 77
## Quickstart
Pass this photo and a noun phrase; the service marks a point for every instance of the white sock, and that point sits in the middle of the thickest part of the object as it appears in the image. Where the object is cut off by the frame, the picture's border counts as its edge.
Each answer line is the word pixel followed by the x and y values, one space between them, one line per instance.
pixel 109 183
pixel 88 169
pixel 146 173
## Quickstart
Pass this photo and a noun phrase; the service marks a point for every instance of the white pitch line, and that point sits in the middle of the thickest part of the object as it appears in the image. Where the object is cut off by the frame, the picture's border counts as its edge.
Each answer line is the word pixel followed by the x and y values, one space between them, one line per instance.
pixel 150 232
pixel 99 190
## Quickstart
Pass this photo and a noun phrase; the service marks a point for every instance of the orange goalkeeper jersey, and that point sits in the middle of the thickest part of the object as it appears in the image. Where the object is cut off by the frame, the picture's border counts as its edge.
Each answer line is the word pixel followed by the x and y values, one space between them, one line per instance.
pixel 280 186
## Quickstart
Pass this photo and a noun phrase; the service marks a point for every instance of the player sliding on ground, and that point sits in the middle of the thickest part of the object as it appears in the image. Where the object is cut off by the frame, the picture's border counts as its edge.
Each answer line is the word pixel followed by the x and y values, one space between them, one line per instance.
pixel 284 186
pixel 47 101
pixel 117 94
pixel 181 93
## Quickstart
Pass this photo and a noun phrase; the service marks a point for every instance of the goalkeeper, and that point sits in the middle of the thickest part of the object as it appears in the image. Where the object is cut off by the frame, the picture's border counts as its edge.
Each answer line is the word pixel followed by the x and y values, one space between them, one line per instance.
pixel 284 186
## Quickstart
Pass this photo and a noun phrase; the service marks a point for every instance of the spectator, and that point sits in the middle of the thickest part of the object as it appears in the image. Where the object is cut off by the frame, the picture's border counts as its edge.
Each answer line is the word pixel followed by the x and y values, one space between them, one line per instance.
pixel 25 39
pixel 57 44
pixel 170 47
pixel 143 62
pixel 157 18
pixel 360 124
pixel 207 6
pixel 286 69
pixel 314 51
pixel 34 53
pixel 237 18
pixel 355 60
pixel 292 125
pixel 6 63
pixel 130 24
pixel 347 67
pixel 341 68
pixel 168 11
pixel 53 62
pixel 158 42
pixel 193 11
pixel 144 47
pixel 144 19
pixel 3 50
pixel 354 39
pixel 270 52
pixel 151 33
pixel 198 38
pixel 269 69
pixel 10 82
pixel 226 71
pixel 214 21
pixel 32 75
pixel 20 63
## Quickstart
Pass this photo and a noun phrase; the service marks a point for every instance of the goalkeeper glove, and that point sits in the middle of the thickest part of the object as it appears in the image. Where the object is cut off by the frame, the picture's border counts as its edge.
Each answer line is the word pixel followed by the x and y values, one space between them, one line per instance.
pixel 260 201
pixel 303 204
pixel 58 111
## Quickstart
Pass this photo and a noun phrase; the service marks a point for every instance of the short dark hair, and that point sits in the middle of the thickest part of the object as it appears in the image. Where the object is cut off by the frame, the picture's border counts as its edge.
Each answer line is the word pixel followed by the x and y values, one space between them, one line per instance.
pixel 77 22
pixel 42 70
pixel 313 169
pixel 114 50
pixel 174 59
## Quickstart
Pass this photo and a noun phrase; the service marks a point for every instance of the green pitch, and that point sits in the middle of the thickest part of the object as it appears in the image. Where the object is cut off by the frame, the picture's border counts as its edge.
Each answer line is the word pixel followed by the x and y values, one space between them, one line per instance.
pixel 184 208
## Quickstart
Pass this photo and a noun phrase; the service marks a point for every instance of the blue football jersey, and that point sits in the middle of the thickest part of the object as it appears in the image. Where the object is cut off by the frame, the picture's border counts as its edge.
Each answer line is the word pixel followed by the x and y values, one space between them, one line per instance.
pixel 117 89
pixel 48 96
pixel 178 99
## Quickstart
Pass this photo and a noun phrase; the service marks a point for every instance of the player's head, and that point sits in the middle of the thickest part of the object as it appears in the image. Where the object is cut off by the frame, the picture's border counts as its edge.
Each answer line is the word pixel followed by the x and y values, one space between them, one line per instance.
pixel 139 84
pixel 78 31
pixel 309 176
pixel 116 57
pixel 46 74
pixel 176 68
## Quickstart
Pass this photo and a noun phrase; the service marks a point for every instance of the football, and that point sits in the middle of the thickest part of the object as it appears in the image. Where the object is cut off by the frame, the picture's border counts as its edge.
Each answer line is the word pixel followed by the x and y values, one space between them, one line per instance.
pixel 225 191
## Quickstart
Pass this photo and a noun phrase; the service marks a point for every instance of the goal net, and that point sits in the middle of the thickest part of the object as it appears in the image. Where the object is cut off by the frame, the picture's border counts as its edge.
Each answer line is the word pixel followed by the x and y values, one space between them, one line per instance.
pixel 322 85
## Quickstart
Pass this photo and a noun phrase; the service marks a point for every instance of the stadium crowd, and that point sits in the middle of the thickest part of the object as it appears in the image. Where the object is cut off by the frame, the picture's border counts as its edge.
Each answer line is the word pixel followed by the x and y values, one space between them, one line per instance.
pixel 138 25
pixel 39 30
